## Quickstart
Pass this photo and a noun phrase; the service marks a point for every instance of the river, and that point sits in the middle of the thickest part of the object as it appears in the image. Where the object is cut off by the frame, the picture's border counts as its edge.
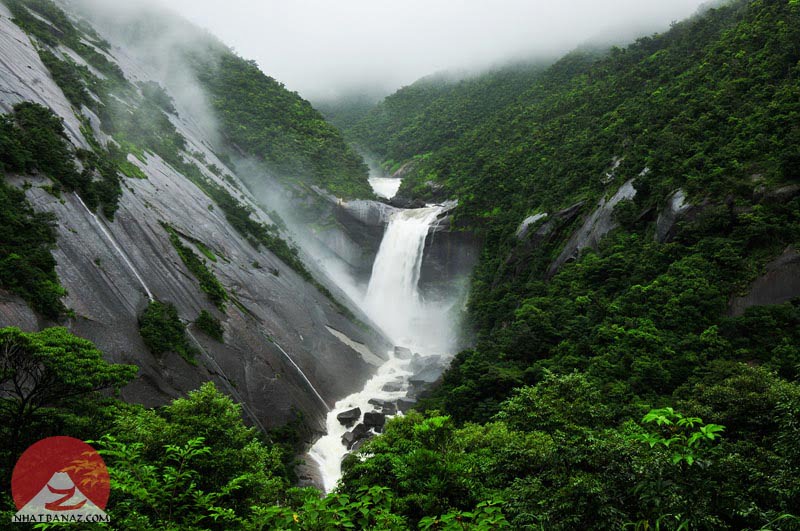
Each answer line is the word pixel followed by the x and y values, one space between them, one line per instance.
pixel 394 302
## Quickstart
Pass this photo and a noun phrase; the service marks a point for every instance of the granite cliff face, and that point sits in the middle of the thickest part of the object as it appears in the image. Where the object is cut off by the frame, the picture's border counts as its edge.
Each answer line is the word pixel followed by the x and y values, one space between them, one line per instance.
pixel 287 345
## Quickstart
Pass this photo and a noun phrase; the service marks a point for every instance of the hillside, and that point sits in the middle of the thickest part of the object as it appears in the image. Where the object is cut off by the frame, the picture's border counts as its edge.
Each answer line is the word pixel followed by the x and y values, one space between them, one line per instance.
pixel 640 212
pixel 434 112
pixel 255 115
pixel 125 220
pixel 634 315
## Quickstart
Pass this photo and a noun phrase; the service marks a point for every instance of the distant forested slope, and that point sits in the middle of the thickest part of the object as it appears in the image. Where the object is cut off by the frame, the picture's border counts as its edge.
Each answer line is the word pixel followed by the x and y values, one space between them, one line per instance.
pixel 435 111
pixel 258 115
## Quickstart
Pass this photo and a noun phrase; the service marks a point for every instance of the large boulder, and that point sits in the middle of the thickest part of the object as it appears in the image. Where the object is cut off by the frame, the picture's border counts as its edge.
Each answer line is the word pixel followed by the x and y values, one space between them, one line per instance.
pixel 349 417
pixel 379 402
pixel 595 227
pixel 404 404
pixel 351 437
pixel 527 223
pixel 780 283
pixel 668 218
pixel 374 420
pixel 359 443
pixel 403 353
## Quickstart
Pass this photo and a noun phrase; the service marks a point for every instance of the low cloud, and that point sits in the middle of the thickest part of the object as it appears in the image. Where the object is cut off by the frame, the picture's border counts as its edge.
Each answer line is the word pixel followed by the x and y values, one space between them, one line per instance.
pixel 324 48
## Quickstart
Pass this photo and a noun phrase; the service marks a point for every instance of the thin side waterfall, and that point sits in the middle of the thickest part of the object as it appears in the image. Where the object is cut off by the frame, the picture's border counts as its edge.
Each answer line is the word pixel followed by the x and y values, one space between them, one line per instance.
pixel 116 247
pixel 394 303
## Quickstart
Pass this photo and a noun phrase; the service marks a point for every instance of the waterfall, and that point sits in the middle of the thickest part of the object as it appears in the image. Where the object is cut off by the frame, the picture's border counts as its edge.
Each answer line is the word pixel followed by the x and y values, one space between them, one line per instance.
pixel 394 303
pixel 393 300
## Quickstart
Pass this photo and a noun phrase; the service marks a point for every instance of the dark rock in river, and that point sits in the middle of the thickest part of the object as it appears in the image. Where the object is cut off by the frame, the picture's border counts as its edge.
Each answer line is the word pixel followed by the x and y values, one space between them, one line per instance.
pixel 392 387
pixel 389 409
pixel 359 443
pixel 348 418
pixel 404 404
pixel 374 420
pixel 406 202
pixel 351 437
pixel 402 353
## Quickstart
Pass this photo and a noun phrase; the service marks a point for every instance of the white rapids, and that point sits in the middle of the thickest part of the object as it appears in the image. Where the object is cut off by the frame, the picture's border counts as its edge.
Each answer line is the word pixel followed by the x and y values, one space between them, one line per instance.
pixel 394 303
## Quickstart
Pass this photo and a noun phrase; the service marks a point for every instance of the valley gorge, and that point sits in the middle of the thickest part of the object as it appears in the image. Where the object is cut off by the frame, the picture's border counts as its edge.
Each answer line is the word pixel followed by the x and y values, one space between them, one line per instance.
pixel 559 292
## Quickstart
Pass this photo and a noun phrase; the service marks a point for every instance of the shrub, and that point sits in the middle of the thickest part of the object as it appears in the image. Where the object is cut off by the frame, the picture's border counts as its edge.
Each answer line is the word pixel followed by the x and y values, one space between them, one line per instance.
pixel 162 331
pixel 210 325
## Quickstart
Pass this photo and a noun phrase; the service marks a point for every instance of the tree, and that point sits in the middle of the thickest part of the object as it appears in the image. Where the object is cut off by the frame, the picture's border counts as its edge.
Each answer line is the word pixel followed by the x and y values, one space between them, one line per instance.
pixel 48 369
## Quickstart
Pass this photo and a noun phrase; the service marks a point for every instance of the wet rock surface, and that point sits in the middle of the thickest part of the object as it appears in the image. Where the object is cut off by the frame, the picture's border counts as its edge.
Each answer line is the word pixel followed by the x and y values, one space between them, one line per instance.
pixel 403 353
pixel 278 321
pixel 392 387
pixel 676 209
pixel 351 437
pixel 780 283
pixel 374 420
pixel 599 223
pixel 404 404
pixel 349 417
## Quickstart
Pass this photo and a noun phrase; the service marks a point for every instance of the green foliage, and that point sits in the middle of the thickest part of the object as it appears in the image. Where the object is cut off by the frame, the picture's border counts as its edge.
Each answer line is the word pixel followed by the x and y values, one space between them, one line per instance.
pixel 559 138
pixel 208 281
pixel 67 75
pixel 435 112
pixel 33 139
pixel 56 29
pixel 40 144
pixel 684 436
pixel 44 376
pixel 192 462
pixel 152 91
pixel 258 115
pixel 303 143
pixel 572 354
pixel 486 516
pixel 564 455
pixel 345 112
pixel 163 331
pixel 27 266
pixel 210 325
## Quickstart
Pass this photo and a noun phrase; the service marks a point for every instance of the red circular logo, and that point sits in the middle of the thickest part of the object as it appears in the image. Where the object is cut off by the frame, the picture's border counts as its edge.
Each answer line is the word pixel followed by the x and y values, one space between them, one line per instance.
pixel 60 475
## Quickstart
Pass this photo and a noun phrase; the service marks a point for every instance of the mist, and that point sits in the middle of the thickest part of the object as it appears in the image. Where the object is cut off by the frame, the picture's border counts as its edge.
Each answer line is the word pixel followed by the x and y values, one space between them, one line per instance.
pixel 325 49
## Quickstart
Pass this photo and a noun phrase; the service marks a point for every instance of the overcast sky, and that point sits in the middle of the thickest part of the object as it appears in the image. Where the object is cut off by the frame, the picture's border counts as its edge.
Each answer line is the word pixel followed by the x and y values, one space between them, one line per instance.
pixel 322 48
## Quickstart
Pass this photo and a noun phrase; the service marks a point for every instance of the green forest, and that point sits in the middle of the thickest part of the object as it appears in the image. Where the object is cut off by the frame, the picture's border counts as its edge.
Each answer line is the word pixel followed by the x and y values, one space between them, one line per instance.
pixel 614 390
pixel 548 413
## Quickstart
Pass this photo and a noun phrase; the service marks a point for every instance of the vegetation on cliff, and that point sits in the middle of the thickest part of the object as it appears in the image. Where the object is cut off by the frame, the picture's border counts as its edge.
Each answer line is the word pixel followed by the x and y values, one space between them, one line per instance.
pixel 254 111
pixel 570 357
pixel 611 390
pixel 267 122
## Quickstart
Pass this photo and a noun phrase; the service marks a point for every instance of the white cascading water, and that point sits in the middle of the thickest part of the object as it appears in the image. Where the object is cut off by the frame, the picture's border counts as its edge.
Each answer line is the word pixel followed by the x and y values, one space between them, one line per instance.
pixel 385 186
pixel 394 303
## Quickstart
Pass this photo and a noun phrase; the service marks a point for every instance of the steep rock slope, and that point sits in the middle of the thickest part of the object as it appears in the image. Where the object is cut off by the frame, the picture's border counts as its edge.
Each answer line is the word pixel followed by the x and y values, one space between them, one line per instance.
pixel 277 343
